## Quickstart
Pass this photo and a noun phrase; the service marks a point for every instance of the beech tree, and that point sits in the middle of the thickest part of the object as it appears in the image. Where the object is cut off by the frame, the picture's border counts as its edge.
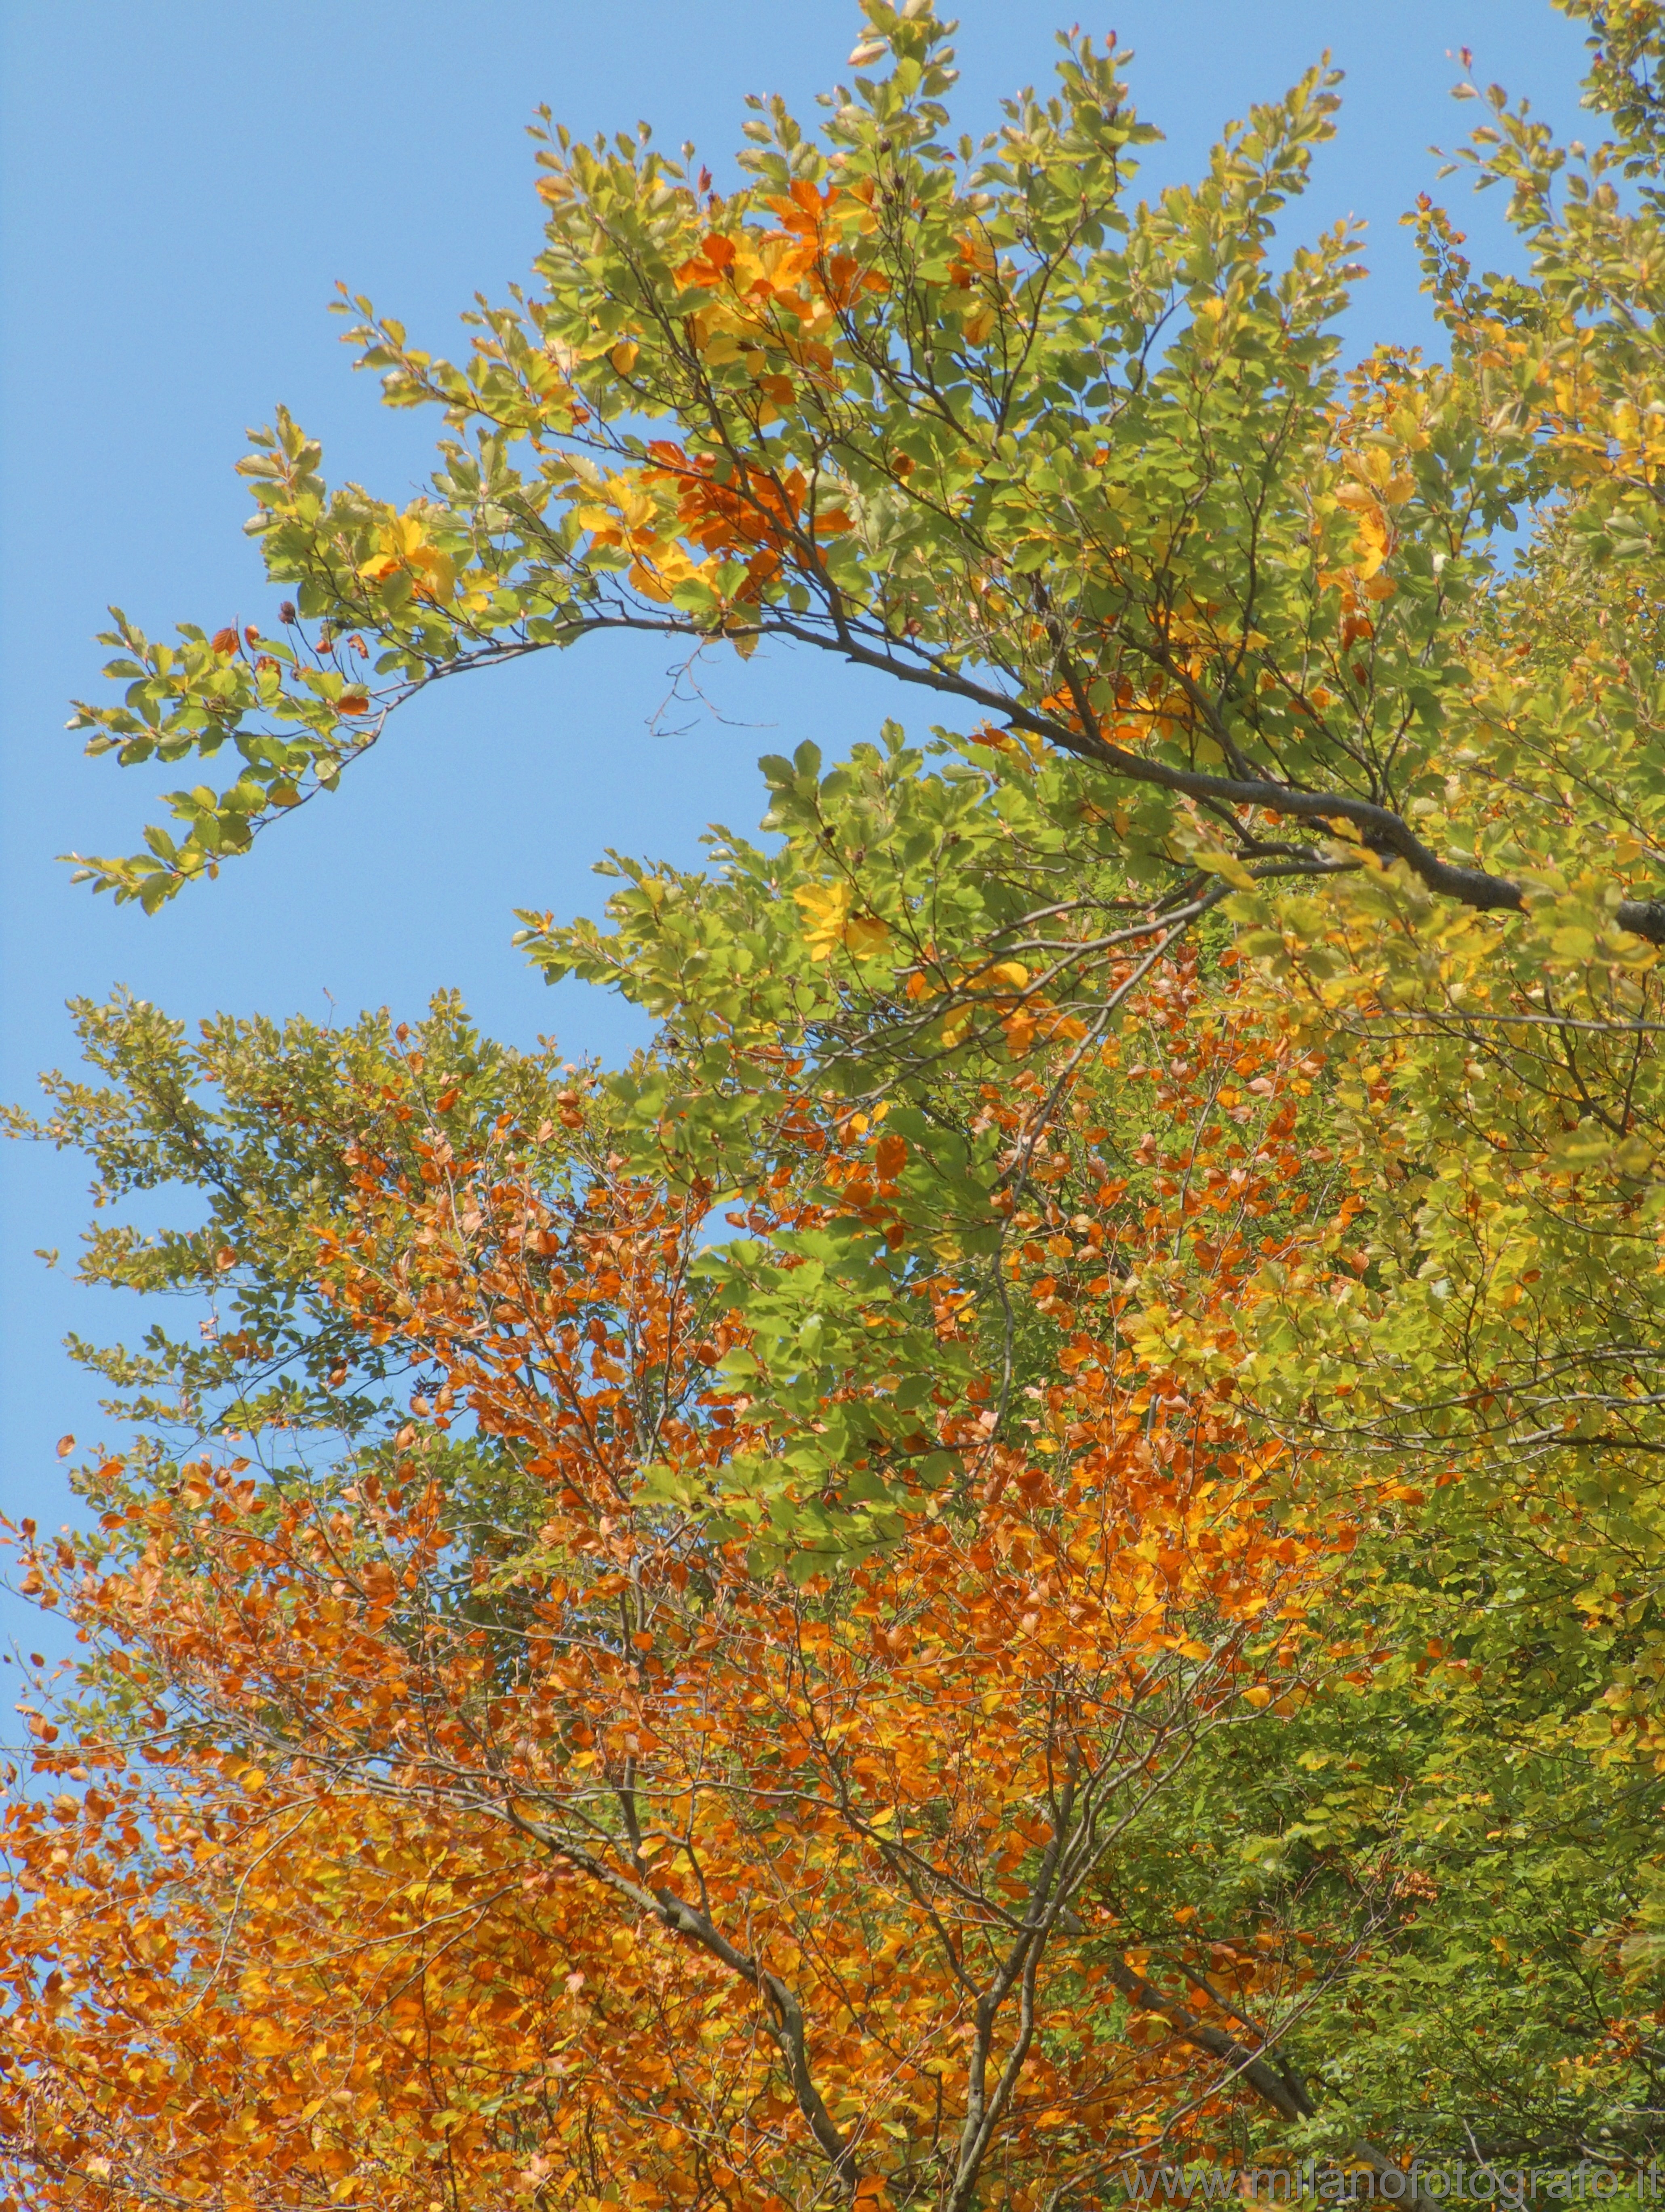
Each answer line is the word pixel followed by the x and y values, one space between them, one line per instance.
pixel 1146 1539
pixel 503 1817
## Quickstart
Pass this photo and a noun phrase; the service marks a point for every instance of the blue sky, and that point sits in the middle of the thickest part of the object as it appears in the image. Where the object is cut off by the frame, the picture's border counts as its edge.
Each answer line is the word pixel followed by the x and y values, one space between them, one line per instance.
pixel 180 186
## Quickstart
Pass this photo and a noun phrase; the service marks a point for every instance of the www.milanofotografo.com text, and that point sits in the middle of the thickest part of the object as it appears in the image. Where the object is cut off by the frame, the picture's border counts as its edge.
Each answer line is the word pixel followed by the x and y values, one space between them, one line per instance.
pixel 1457 2183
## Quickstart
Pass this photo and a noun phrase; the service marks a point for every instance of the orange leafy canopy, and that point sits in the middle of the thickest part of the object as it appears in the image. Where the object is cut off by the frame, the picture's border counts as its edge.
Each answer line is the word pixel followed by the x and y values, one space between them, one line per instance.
pixel 550 1848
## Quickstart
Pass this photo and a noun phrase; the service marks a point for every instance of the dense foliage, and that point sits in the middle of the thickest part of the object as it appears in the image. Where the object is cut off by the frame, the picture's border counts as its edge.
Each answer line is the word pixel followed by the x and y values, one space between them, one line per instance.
pixel 1114 1619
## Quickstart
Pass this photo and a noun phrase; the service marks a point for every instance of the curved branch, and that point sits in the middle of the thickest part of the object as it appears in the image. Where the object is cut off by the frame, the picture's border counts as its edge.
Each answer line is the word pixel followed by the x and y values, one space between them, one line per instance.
pixel 1287 2095
pixel 786 2021
pixel 1383 831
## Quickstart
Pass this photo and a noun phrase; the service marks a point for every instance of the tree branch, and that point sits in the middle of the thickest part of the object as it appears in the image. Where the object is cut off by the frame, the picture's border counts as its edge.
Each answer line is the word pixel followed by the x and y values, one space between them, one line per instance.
pixel 786 2022
pixel 1383 831
pixel 1288 2097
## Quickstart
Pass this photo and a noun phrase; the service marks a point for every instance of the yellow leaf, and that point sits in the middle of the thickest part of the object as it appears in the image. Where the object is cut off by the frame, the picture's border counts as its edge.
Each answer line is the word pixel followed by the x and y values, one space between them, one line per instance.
pixel 403 544
pixel 827 910
pixel 825 907
pixel 1220 863
pixel 1004 975
pixel 1374 539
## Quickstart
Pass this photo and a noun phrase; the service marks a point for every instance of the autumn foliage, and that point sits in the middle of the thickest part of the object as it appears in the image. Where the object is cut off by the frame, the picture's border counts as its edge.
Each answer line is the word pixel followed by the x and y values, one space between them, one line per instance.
pixel 570 1856
pixel 1115 1620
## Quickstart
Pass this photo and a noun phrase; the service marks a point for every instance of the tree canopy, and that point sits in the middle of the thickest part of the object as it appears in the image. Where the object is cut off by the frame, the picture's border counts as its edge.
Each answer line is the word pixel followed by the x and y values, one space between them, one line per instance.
pixel 1107 1618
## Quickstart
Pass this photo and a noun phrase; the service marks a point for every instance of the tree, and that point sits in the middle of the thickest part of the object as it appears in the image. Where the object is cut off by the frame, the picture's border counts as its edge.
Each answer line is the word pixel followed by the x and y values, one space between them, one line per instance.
pixel 503 1816
pixel 963 416
pixel 1303 849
